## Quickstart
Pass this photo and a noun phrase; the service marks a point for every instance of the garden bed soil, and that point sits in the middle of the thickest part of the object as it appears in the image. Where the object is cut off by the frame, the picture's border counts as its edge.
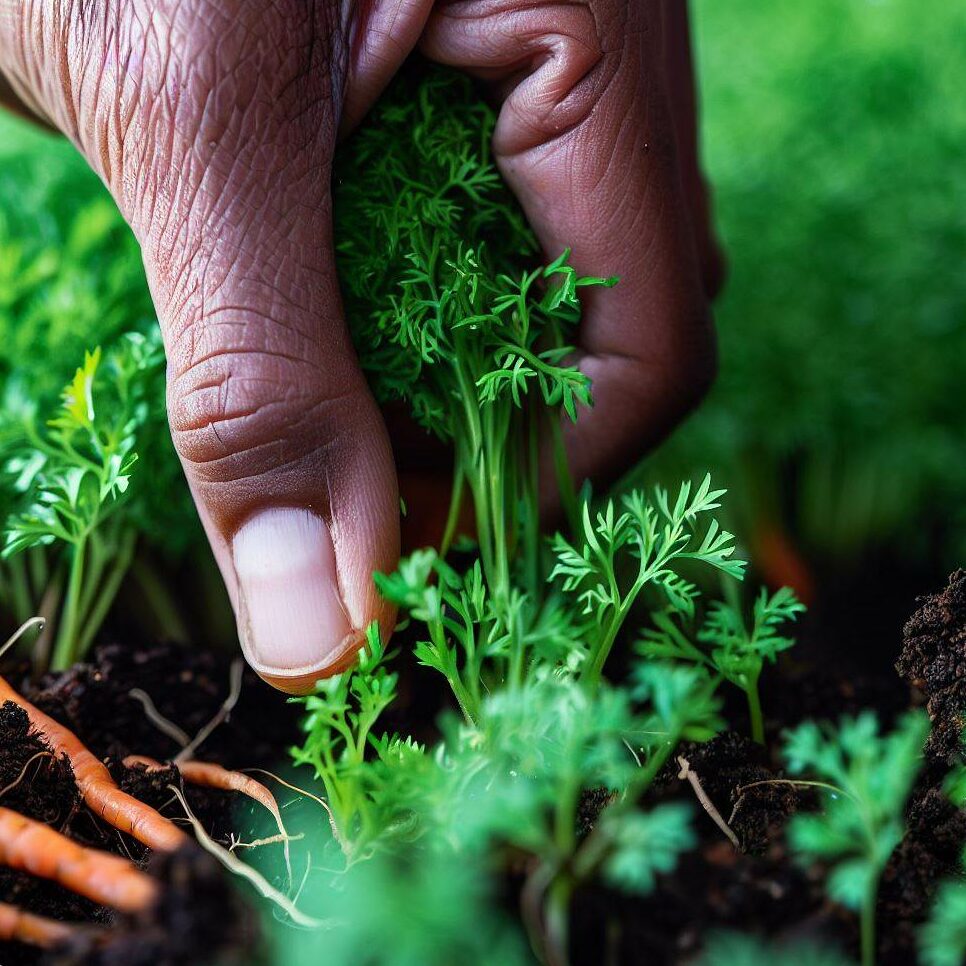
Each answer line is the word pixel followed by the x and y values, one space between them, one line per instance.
pixel 758 888
pixel 198 909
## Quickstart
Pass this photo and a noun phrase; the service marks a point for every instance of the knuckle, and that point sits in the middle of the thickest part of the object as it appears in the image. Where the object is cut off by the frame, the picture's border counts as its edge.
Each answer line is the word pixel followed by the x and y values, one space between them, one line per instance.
pixel 245 408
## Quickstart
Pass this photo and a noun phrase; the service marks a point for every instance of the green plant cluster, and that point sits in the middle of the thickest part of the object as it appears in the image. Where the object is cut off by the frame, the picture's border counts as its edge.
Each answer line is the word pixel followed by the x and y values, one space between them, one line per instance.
pixel 71 279
pixel 68 478
pixel 522 636
pixel 520 629
pixel 865 778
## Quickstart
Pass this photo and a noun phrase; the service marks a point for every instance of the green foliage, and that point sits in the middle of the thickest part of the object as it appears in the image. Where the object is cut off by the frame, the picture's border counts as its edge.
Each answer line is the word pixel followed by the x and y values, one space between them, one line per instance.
pixel 443 316
pixel 419 910
pixel 339 722
pixel 646 844
pixel 69 476
pixel 734 949
pixel 430 241
pixel 726 645
pixel 446 321
pixel 942 940
pixel 865 779
pixel 71 278
pixel 70 271
pixel 659 536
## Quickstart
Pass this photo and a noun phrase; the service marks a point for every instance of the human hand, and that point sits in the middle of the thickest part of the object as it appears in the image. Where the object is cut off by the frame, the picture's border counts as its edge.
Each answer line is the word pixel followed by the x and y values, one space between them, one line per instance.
pixel 213 125
pixel 596 136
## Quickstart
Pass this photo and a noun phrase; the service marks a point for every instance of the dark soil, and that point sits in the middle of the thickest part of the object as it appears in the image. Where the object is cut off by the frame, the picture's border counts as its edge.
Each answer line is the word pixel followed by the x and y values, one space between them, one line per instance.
pixel 757 888
pixel 933 659
pixel 760 888
pixel 198 909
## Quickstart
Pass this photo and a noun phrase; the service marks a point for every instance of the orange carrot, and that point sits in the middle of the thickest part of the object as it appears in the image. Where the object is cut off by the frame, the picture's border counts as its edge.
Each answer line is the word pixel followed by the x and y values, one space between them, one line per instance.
pixel 781 562
pixel 24 927
pixel 97 788
pixel 35 848
pixel 214 776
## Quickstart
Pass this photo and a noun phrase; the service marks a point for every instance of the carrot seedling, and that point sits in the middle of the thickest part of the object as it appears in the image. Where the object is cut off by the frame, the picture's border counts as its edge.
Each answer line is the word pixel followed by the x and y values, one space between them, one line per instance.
pixel 864 778
pixel 725 645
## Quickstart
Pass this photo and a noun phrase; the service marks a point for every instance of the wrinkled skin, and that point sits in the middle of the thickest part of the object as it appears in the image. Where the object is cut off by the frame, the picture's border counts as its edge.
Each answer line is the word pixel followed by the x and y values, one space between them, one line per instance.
pixel 213 123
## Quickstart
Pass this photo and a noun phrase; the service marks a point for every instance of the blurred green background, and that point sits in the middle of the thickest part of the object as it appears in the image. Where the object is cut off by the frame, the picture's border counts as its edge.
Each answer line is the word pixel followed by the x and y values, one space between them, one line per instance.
pixel 833 136
pixel 833 133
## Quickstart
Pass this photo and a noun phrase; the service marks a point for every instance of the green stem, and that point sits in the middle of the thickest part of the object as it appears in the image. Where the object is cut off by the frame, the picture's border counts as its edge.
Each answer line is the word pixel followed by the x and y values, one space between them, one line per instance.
pixel 21 597
pixel 562 887
pixel 565 480
pixel 64 649
pixel 530 498
pixel 39 570
pixel 594 669
pixel 97 559
pixel 558 920
pixel 463 698
pixel 643 779
pixel 754 711
pixel 98 612
pixel 455 505
pixel 160 601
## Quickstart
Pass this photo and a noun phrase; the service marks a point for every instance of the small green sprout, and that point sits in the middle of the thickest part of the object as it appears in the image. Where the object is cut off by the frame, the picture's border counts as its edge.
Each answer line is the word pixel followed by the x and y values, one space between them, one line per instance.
pixel 659 535
pixel 727 646
pixel 864 778
pixel 340 717
pixel 942 939
pixel 70 477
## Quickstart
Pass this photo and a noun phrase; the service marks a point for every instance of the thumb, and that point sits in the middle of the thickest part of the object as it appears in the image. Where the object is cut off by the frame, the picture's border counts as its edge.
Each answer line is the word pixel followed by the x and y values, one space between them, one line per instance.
pixel 284 450
pixel 283 447
pixel 213 126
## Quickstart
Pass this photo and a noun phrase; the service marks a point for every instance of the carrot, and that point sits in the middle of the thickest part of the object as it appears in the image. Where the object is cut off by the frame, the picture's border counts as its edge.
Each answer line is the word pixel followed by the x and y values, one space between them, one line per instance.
pixel 24 927
pixel 97 788
pixel 35 848
pixel 781 562
pixel 210 775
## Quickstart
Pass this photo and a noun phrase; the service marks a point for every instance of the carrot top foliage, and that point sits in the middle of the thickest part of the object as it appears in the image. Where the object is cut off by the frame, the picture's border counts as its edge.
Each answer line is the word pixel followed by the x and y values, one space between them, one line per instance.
pixel 452 313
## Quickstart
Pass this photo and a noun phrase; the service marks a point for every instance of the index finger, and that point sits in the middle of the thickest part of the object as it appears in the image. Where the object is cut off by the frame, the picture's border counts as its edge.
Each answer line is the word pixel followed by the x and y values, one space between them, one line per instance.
pixel 587 140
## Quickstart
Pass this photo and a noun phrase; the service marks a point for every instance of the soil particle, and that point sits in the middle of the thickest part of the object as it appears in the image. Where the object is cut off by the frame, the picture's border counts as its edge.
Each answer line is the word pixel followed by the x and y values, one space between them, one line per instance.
pixel 725 767
pixel 186 686
pixel 35 783
pixel 933 660
pixel 592 803
pixel 32 780
pixel 929 852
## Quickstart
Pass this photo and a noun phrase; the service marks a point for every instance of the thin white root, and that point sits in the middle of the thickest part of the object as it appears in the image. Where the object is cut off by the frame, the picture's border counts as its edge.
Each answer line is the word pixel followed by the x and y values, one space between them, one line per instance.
pixel 258 843
pixel 20 631
pixel 706 803
pixel 315 798
pixel 234 865
pixel 234 692
pixel 209 775
pixel 165 725
pixel 176 733
pixel 9 788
